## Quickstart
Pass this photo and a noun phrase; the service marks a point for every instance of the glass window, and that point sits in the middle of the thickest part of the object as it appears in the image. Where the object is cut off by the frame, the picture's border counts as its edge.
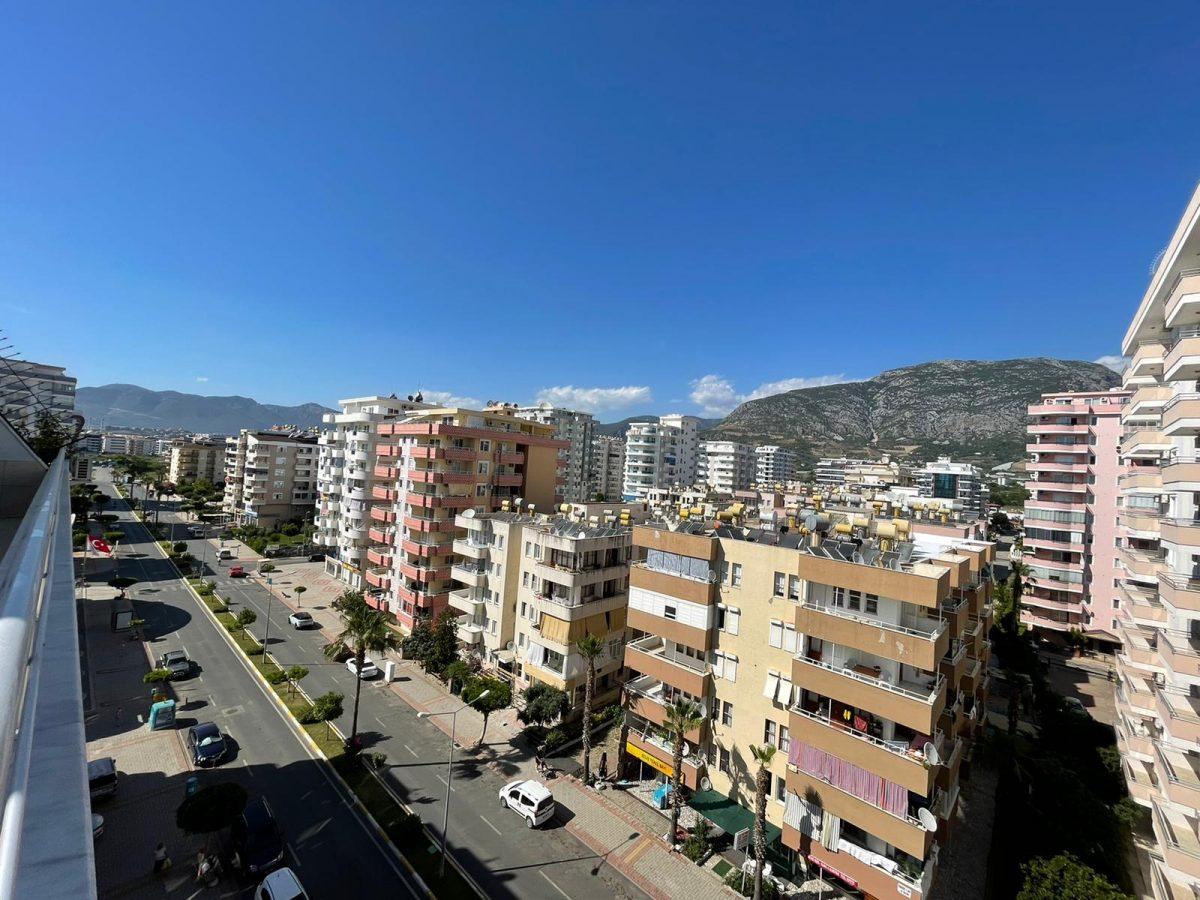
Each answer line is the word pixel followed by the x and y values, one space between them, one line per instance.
pixel 726 713
pixel 769 729
pixel 737 575
pixel 793 587
pixel 669 612
pixel 775 636
pixel 779 582
pixel 785 739
pixel 781 790
pixel 872 604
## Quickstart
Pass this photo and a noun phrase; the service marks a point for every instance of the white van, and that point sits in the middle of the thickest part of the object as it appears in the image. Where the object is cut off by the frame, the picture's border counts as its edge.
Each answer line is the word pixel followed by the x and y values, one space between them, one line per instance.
pixel 226 553
pixel 531 800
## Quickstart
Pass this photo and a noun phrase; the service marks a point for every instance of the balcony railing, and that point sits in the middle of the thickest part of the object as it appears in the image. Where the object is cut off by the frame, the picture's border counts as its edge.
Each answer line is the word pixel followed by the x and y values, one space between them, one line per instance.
pixel 931 630
pixel 921 697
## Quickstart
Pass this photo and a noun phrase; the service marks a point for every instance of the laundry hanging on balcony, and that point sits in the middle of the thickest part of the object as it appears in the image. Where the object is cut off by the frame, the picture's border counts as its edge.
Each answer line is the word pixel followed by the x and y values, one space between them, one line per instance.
pixel 850 778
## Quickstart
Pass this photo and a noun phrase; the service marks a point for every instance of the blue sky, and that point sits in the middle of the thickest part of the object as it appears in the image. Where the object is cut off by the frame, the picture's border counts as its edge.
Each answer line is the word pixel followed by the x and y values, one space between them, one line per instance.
pixel 629 207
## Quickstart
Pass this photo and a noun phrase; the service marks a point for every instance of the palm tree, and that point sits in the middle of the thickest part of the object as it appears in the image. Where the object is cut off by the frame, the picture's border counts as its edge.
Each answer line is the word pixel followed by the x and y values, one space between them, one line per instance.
pixel 589 648
pixel 763 756
pixel 682 716
pixel 364 630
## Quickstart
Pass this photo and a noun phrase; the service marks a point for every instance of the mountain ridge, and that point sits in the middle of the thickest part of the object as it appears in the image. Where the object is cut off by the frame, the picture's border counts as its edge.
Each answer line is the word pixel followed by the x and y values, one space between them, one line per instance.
pixel 133 406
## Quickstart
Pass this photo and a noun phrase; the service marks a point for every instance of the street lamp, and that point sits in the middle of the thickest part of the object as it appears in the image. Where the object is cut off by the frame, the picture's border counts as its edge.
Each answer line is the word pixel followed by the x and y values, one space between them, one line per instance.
pixel 267 632
pixel 453 714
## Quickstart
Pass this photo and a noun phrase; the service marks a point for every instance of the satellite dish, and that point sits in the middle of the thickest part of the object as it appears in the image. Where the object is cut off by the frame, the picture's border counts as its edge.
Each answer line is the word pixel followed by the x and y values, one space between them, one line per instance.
pixel 510 646
pixel 687 750
pixel 931 754
pixel 468 513
pixel 706 783
pixel 927 819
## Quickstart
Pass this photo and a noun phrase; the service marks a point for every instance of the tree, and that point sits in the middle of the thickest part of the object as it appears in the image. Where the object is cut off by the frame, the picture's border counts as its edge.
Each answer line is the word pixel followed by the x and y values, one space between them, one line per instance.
pixel 246 618
pixel 294 674
pixel 589 647
pixel 457 671
pixel 179 546
pixel 544 703
pixel 434 645
pixel 49 435
pixel 326 707
pixel 298 590
pixel 122 583
pixel 1064 877
pixel 682 716
pixel 212 808
pixel 499 695
pixel 763 756
pixel 363 630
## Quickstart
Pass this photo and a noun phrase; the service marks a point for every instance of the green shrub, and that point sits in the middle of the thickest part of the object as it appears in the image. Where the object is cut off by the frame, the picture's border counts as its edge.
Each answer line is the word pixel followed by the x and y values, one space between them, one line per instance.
pixel 79 539
pixel 697 843
pixel 275 677
pixel 554 739
pixel 322 709
pixel 1065 878
pixel 179 546
pixel 156 676
pixel 734 880
pixel 111 537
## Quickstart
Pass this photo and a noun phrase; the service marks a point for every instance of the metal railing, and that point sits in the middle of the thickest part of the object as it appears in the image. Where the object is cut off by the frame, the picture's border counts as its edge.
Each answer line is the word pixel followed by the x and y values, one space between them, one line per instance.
pixel 937 626
pixel 928 698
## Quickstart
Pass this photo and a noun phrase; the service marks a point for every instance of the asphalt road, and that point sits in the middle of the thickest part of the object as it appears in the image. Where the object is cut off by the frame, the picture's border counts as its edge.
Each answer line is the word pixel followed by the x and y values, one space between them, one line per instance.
pixel 501 854
pixel 334 852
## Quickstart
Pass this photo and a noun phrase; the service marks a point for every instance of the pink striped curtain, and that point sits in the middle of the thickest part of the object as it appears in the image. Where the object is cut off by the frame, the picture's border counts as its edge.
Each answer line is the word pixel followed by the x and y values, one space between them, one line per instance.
pixel 850 778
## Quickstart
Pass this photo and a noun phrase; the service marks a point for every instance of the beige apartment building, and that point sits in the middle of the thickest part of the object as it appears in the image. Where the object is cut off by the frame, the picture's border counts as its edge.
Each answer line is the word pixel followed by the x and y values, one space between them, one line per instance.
pixel 270 477
pixel 859 651
pixel 532 586
pixel 608 467
pixel 196 461
pixel 577 429
pixel 1158 527
pixel 432 466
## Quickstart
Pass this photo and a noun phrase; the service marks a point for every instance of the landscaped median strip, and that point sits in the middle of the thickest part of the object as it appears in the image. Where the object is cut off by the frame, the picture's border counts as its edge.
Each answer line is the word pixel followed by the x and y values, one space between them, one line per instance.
pixel 392 819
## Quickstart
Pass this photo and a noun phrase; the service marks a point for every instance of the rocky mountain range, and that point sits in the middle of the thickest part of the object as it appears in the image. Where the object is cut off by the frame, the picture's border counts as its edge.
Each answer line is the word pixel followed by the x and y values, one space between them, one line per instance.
pixel 964 408
pixel 130 406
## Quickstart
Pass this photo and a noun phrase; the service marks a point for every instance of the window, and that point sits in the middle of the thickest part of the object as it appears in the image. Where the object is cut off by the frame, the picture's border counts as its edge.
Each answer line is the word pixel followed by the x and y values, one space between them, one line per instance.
pixel 785 739
pixel 790 642
pixel 731 667
pixel 483 467
pixel 781 790
pixel 779 581
pixel 524 579
pixel 855 600
pixel 839 597
pixel 718 667
pixel 528 548
pixel 737 575
pixel 669 612
pixel 775 636
pixel 793 587
pixel 726 713
pixel 733 618
pixel 485 446
pixel 723 765
pixel 499 542
pixel 872 604
pixel 770 779
pixel 481 490
pixel 719 619
pixel 769 729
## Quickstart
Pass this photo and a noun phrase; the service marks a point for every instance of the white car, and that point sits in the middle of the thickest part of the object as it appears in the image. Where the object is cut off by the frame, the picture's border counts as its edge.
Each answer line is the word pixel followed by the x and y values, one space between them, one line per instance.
pixel 301 619
pixel 531 800
pixel 369 669
pixel 282 884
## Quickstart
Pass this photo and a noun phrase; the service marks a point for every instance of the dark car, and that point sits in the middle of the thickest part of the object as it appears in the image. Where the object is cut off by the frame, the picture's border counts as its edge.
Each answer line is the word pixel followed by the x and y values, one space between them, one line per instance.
pixel 206 744
pixel 316 557
pixel 256 843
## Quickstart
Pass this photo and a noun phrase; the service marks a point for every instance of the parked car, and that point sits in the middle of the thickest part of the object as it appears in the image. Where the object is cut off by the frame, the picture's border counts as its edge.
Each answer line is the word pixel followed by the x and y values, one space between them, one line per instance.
pixel 102 778
pixel 316 557
pixel 369 669
pixel 207 744
pixel 196 530
pixel 531 800
pixel 301 619
pixel 237 571
pixel 97 826
pixel 226 553
pixel 282 884
pixel 256 843
pixel 177 662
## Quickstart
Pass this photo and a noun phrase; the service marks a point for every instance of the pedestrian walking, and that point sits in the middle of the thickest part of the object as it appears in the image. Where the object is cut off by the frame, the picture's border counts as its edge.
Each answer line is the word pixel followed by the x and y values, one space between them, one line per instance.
pixel 539 761
pixel 162 861
pixel 604 766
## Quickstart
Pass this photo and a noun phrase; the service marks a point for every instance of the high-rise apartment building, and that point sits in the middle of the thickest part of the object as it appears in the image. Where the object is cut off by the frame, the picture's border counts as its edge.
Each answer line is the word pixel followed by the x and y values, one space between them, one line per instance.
pixel 608 467
pixel 130 444
pixel 196 461
pixel 1071 514
pixel 270 477
pixel 725 466
pixel 532 586
pixel 1158 685
pixel 861 656
pixel 346 464
pixel 578 430
pixel 773 465
pixel 27 389
pixel 660 454
pixel 961 484
pixel 432 466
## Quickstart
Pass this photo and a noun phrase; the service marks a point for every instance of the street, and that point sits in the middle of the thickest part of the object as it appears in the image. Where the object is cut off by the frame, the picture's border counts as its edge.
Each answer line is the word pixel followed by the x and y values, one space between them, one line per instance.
pixel 503 857
pixel 324 831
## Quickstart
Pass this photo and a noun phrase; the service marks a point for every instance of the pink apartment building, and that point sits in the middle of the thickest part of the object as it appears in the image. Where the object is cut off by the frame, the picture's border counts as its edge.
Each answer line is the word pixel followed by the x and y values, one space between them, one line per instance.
pixel 1071 528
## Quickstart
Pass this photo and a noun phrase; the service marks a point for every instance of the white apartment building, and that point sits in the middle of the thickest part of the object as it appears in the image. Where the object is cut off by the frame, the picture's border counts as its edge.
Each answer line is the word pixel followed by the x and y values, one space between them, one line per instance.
pixel 530 587
pixel 130 445
pixel 961 484
pixel 608 467
pixel 196 461
pixel 27 389
pixel 569 425
pixel 726 466
pixel 346 463
pixel 92 442
pixel 270 476
pixel 660 454
pixel 773 465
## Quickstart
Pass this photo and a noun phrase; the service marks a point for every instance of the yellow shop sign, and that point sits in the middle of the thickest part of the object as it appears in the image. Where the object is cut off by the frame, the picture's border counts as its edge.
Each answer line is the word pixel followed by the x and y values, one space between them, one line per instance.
pixel 648 759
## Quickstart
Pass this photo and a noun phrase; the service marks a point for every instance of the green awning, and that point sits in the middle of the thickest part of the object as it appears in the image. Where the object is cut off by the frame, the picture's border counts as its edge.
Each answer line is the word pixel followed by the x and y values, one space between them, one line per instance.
pixel 727 815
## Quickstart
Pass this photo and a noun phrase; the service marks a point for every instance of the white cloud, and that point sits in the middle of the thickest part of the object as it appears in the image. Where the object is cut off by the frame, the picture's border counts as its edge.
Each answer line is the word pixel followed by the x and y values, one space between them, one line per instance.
pixel 716 396
pixel 1116 363
pixel 447 398
pixel 202 378
pixel 594 399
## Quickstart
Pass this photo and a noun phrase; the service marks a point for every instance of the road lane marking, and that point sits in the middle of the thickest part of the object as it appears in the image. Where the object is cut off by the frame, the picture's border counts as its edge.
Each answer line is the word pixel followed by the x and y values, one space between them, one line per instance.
pixel 412 751
pixel 553 885
pixel 491 826
pixel 453 789
pixel 382 724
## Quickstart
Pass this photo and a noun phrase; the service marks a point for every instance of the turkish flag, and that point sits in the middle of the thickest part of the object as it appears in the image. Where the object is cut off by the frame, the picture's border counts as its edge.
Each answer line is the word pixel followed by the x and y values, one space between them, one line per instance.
pixel 100 546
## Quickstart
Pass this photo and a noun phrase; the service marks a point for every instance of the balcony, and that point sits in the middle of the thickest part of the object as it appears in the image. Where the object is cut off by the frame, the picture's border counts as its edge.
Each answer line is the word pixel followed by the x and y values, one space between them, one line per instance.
pixel 1143 440
pixel 1147 478
pixel 379 577
pixel 1140 562
pixel 920 645
pixel 471 549
pixel 903 832
pixel 1181 416
pixel 1182 362
pixel 697 638
pixel 1142 606
pixel 1148 359
pixel 871 879
pixel 1183 304
pixel 379 514
pixel 1180 469
pixel 893 760
pixel 378 492
pixel 475 576
pixel 1135 690
pixel 651 656
pixel 1141 519
pixel 649 698
pixel 465 601
pixel 1179 653
pixel 916 706
pixel 1185 532
pixel 510 458
pixel 470 633
pixel 379 557
pixel 424 574
pixel 1053 428
pixel 381 535
pixel 673 585
pixel 1176 833
pixel 1179 713
pixel 1051 447
pixel 1179 775
pixel 416 523
pixel 431 501
pixel 424 550
pixel 650 749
